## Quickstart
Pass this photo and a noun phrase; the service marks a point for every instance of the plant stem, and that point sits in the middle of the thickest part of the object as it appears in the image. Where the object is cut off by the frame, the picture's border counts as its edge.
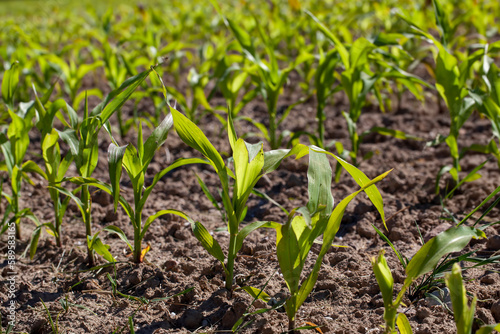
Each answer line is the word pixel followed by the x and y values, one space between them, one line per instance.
pixel 320 114
pixel 87 220
pixel 291 326
pixel 58 227
pixel 120 123
pixel 137 239
pixel 271 109
pixel 18 229
pixel 272 131
pixel 15 205
pixel 457 167
pixel 57 216
pixel 230 263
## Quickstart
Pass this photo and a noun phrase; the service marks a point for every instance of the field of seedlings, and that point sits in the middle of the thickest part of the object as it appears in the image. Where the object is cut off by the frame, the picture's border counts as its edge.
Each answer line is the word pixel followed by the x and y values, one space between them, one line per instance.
pixel 267 166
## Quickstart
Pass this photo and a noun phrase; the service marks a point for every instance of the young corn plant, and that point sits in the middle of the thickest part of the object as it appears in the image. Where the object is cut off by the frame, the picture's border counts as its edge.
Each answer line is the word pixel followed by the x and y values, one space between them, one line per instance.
pixel 136 162
pixel 295 238
pixel 488 103
pixel 14 144
pixel 250 164
pixel 423 262
pixel 56 165
pixel 268 78
pixel 462 311
pixel 83 143
pixel 231 80
pixel 73 74
pixel 451 84
pixel 357 80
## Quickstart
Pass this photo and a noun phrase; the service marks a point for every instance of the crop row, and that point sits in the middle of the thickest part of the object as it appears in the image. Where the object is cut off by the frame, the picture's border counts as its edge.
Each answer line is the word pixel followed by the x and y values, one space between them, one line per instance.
pixel 366 70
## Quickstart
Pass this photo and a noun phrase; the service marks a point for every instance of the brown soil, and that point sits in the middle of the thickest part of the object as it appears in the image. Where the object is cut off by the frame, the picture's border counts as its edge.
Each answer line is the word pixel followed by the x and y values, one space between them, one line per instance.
pixel 346 298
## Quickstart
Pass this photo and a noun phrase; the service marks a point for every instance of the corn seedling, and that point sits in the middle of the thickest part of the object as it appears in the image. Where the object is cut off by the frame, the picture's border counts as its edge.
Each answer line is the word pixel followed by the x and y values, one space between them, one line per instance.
pixel 423 262
pixel 56 166
pixel 14 144
pixel 73 73
pixel 136 161
pixel 231 81
pixel 295 238
pixel 434 278
pixel 268 78
pixel 488 103
pixel 250 164
pixel 83 142
pixel 451 77
pixel 462 311
pixel 357 81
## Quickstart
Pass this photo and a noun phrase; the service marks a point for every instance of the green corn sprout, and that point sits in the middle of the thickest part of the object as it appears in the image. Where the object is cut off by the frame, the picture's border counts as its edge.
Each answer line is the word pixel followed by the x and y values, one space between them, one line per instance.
pixel 463 313
pixel 488 103
pixel 14 144
pixel 268 78
pixel 424 261
pixel 451 85
pixel 250 164
pixel 136 161
pixel 357 80
pixel 232 80
pixel 56 166
pixel 295 238
pixel 73 74
pixel 83 143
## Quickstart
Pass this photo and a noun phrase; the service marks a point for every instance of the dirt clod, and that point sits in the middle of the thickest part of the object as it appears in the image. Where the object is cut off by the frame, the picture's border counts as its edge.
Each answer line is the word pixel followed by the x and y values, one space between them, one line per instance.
pixel 191 319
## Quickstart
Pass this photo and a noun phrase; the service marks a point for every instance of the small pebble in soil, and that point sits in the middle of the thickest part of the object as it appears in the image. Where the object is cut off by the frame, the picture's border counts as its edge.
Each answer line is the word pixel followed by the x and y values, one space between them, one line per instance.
pixel 491 278
pixel 485 316
pixel 495 311
pixel 493 243
pixel 191 319
pixel 169 265
pixel 423 313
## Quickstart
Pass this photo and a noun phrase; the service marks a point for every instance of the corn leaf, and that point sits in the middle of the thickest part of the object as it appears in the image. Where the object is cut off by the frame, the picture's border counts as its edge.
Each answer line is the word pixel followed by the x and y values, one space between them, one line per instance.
pixel 328 236
pixel 403 324
pixel 384 278
pixel 256 293
pixel 248 163
pixel 194 137
pixel 442 22
pixel 115 158
pixel 207 241
pixel 361 179
pixel 9 84
pixel 463 313
pixel 451 240
pixel 100 248
pixel 488 329
pixel 319 176
pixel 344 54
pixel 118 231
pixel 31 167
pixel 156 140
pixel 119 96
